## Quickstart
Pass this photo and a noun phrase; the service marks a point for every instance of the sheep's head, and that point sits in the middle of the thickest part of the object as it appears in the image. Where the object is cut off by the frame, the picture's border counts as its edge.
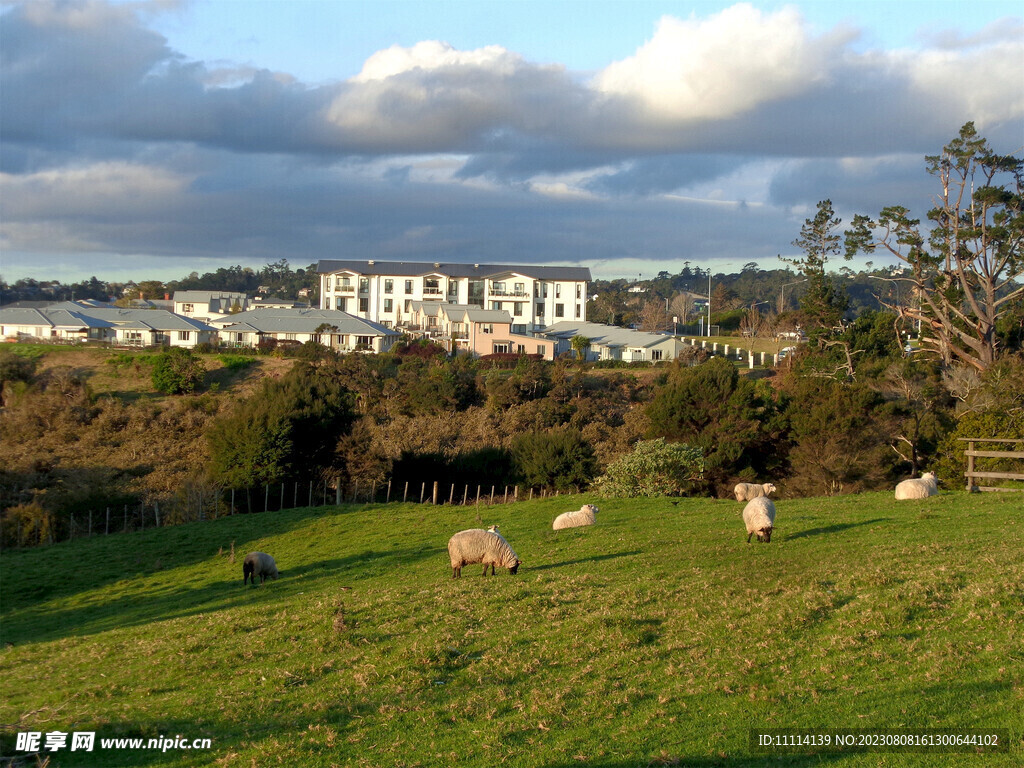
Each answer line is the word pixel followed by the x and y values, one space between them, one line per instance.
pixel 930 476
pixel 769 488
pixel 765 534
pixel 592 508
pixel 515 568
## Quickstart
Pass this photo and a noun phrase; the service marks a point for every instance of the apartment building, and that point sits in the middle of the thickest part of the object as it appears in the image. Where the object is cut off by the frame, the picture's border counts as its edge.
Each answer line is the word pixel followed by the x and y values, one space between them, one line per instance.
pixel 384 291
pixel 460 327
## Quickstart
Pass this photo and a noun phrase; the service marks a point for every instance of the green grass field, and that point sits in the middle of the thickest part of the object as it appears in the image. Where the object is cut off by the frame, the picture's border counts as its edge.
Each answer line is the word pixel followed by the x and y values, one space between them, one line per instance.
pixel 656 637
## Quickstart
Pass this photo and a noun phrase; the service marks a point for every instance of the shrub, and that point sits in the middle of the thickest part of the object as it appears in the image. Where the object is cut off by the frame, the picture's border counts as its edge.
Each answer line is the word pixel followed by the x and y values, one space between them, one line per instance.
pixel 654 468
pixel 236 362
pixel 561 459
pixel 177 371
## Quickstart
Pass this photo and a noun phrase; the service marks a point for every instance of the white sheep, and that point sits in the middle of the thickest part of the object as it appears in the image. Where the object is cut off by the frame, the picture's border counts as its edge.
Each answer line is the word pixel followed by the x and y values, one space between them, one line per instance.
pixel 585 515
pixel 258 564
pixel 748 491
pixel 759 517
pixel 918 488
pixel 494 529
pixel 479 546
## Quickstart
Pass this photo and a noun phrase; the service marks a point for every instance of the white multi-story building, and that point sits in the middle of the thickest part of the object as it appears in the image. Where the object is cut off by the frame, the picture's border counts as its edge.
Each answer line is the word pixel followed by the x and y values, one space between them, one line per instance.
pixel 384 291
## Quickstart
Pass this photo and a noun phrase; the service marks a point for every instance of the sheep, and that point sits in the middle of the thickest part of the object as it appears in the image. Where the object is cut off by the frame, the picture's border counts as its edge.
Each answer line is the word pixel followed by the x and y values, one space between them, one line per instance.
pixel 918 488
pixel 585 515
pixel 759 517
pixel 494 529
pixel 258 564
pixel 748 491
pixel 479 546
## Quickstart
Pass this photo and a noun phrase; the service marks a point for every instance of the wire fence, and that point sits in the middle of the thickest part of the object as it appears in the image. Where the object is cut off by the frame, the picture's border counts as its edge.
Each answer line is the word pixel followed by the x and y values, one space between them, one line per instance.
pixel 43 528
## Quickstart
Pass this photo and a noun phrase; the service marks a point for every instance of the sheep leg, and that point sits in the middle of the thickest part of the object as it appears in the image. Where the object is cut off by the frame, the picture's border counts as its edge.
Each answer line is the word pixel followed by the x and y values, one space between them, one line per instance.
pixel 456 572
pixel 748 536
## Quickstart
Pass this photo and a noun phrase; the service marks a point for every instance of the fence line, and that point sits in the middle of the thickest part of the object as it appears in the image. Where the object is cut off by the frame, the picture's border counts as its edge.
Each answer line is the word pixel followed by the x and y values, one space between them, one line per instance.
pixel 971 474
pixel 210 505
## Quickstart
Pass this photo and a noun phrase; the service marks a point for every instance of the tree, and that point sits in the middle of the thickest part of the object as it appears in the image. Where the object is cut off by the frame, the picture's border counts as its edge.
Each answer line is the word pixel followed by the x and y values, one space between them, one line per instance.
pixel 177 371
pixel 653 468
pixel 964 276
pixel 580 344
pixel 654 316
pixel 822 303
pixel 732 420
pixel 560 459
pixel 290 428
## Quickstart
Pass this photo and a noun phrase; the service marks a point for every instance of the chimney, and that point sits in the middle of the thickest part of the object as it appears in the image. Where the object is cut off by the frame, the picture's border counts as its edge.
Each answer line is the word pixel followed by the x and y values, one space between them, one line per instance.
pixel 167 297
pixel 140 295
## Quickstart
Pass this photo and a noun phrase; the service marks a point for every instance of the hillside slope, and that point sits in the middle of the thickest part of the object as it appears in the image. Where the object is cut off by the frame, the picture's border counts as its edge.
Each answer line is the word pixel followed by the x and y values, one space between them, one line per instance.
pixel 656 637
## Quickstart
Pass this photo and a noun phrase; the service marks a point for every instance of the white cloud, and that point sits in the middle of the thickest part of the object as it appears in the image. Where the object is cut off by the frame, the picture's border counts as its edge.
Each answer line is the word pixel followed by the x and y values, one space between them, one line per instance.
pixel 721 66
pixel 432 55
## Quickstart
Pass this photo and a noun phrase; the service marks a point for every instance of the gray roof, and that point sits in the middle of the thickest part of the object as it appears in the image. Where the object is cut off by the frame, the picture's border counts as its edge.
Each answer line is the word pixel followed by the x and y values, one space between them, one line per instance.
pixel 157 319
pixel 415 268
pixel 606 335
pixel 205 297
pixel 279 320
pixel 50 317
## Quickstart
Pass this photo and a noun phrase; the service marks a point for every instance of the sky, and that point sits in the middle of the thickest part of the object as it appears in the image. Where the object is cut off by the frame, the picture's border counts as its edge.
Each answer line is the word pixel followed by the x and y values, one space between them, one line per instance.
pixel 148 140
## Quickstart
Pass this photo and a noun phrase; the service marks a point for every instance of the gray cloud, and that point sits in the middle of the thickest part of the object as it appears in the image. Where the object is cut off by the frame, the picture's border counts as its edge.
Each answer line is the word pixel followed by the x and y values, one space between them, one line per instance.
pixel 113 143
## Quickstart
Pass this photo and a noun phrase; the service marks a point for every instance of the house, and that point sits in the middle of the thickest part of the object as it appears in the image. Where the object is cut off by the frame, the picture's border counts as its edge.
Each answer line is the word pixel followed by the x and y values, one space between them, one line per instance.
pixel 464 327
pixel 208 306
pixel 384 291
pixel 610 342
pixel 337 330
pixel 84 321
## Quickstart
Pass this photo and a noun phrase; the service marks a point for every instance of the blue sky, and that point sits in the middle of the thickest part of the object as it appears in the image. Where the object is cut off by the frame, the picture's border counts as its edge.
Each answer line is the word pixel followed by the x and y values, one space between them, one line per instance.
pixel 151 139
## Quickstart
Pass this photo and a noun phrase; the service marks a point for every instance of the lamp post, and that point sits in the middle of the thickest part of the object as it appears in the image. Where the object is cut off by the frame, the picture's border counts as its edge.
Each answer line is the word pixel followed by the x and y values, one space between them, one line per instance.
pixel 709 302
pixel 782 293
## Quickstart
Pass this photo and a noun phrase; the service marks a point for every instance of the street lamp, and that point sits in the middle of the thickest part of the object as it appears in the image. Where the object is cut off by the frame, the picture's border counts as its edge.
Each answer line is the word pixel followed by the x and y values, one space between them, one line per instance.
pixel 782 293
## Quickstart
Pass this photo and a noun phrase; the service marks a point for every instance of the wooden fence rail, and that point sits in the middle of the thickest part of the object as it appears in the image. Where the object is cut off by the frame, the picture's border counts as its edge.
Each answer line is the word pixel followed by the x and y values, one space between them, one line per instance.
pixel 971 453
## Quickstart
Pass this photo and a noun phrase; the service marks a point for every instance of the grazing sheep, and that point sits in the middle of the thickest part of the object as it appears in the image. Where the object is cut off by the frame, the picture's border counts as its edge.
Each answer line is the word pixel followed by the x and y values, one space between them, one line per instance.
pixel 759 517
pixel 585 515
pixel 748 491
pixel 918 488
pixel 258 564
pixel 479 546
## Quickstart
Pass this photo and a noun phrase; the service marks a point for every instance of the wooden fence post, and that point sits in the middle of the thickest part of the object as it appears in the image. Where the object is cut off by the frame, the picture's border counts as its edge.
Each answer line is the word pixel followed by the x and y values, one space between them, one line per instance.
pixel 373 492
pixel 970 464
pixel 451 494
pixel 492 495
pixel 465 494
pixel 423 490
pixel 387 498
pixel 280 504
pixel 310 493
pixel 506 495
pixel 434 502
pixel 107 531
pixel 405 493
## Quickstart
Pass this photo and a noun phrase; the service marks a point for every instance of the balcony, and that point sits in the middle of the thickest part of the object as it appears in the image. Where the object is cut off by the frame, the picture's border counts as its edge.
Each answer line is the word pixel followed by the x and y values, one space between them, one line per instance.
pixel 345 289
pixel 510 294
pixel 432 292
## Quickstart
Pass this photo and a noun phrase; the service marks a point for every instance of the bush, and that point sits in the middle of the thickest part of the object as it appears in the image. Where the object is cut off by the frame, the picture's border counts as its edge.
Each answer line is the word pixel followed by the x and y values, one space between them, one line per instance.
pixel 236 362
pixel 177 371
pixel 561 459
pixel 654 468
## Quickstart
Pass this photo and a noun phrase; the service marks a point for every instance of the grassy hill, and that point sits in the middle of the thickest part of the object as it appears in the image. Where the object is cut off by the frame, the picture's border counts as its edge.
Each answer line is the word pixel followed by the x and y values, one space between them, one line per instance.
pixel 657 637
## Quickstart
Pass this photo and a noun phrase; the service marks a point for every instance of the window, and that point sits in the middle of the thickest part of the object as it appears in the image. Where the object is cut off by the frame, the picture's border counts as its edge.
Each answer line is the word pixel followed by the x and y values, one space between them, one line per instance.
pixel 496 305
pixel 540 349
pixel 486 328
pixel 453 289
pixel 502 348
pixel 188 308
pixel 579 291
pixel 540 310
pixel 364 304
pixel 364 342
pixel 497 287
pixel 519 289
pixel 431 286
pixel 346 284
pixel 340 303
pixel 578 311
pixel 655 354
pixel 183 335
pixel 389 285
pixel 408 286
pixel 290 337
pixel 518 309
pixel 408 305
pixel 389 305
pixel 364 284
pixel 327 282
pixel 520 349
pixel 558 291
pixel 559 310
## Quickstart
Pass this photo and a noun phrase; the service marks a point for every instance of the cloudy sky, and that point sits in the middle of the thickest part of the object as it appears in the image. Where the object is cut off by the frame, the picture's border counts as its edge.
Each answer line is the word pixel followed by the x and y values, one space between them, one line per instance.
pixel 145 140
